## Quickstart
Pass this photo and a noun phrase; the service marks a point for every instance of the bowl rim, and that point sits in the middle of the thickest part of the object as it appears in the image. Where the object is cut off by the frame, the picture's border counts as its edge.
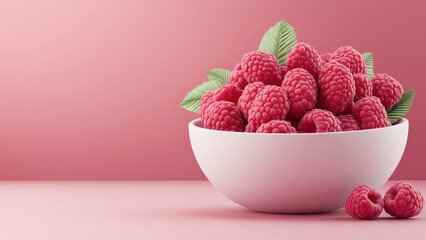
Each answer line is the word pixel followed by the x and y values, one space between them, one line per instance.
pixel 401 123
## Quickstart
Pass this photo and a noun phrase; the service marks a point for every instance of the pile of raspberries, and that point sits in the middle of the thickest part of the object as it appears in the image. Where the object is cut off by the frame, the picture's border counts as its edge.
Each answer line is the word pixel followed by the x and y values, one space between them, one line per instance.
pixel 312 93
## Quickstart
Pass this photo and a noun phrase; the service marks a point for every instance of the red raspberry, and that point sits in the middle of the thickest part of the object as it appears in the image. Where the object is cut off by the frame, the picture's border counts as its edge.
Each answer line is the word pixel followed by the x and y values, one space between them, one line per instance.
pixel 223 116
pixel 304 56
pixel 319 120
pixel 283 71
pixel 248 96
pixel 325 58
pixel 370 113
pixel 336 87
pixel 276 126
pixel 387 89
pixel 364 202
pixel 348 123
pixel 228 92
pixel 237 77
pixel 206 100
pixel 363 86
pixel 403 200
pixel 301 90
pixel 270 104
pixel 261 66
pixel 350 58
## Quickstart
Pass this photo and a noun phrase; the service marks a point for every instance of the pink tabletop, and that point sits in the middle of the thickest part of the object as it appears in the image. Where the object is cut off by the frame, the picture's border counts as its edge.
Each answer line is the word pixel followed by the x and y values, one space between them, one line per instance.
pixel 171 210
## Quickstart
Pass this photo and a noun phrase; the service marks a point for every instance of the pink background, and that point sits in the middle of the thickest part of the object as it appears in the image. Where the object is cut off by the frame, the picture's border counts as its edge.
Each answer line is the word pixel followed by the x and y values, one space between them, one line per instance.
pixel 90 89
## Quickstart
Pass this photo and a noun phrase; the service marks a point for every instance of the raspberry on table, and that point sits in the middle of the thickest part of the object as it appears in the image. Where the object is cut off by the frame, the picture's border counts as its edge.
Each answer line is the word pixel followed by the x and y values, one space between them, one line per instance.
pixel 237 78
pixel 350 58
pixel 336 87
pixel 228 92
pixel 283 71
pixel 387 89
pixel 364 202
pixel 363 86
pixel 325 58
pixel 403 200
pixel 270 104
pixel 319 120
pixel 301 90
pixel 259 66
pixel 276 126
pixel 249 94
pixel 370 113
pixel 223 115
pixel 304 56
pixel 206 100
pixel 348 123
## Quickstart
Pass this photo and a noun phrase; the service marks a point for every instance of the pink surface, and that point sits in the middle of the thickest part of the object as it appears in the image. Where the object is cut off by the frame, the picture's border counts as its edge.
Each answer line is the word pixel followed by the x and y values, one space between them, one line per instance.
pixel 90 89
pixel 171 210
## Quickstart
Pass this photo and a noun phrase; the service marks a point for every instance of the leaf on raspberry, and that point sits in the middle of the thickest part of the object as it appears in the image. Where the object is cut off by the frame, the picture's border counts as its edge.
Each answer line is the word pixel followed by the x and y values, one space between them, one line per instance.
pixel 279 40
pixel 193 98
pixel 368 57
pixel 218 74
pixel 401 108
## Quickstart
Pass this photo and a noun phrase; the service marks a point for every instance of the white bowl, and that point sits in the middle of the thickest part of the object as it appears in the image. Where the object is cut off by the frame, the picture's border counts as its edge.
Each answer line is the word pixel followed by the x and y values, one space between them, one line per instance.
pixel 296 173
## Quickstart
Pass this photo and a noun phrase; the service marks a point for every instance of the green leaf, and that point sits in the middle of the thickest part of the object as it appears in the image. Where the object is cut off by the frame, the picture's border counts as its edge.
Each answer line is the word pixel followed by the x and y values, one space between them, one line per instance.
pixel 193 98
pixel 401 109
pixel 369 59
pixel 217 74
pixel 279 40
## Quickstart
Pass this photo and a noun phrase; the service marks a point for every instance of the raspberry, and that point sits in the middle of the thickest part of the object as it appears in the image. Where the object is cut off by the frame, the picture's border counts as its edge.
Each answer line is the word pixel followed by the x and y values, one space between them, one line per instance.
pixel 350 58
pixel 304 56
pixel 363 86
pixel 248 96
pixel 228 92
pixel 319 120
pixel 301 90
pixel 276 126
pixel 270 104
pixel 237 77
pixel 206 100
pixel 370 113
pixel 223 116
pixel 283 71
pixel 364 202
pixel 261 66
pixel 403 201
pixel 336 87
pixel 325 58
pixel 348 123
pixel 387 89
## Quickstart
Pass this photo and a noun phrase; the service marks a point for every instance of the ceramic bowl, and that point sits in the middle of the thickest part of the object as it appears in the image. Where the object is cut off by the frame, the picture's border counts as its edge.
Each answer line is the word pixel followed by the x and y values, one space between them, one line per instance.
pixel 296 173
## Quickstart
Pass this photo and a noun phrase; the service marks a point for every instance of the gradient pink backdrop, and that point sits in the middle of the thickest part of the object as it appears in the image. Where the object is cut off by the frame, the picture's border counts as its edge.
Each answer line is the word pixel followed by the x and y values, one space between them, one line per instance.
pixel 90 89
